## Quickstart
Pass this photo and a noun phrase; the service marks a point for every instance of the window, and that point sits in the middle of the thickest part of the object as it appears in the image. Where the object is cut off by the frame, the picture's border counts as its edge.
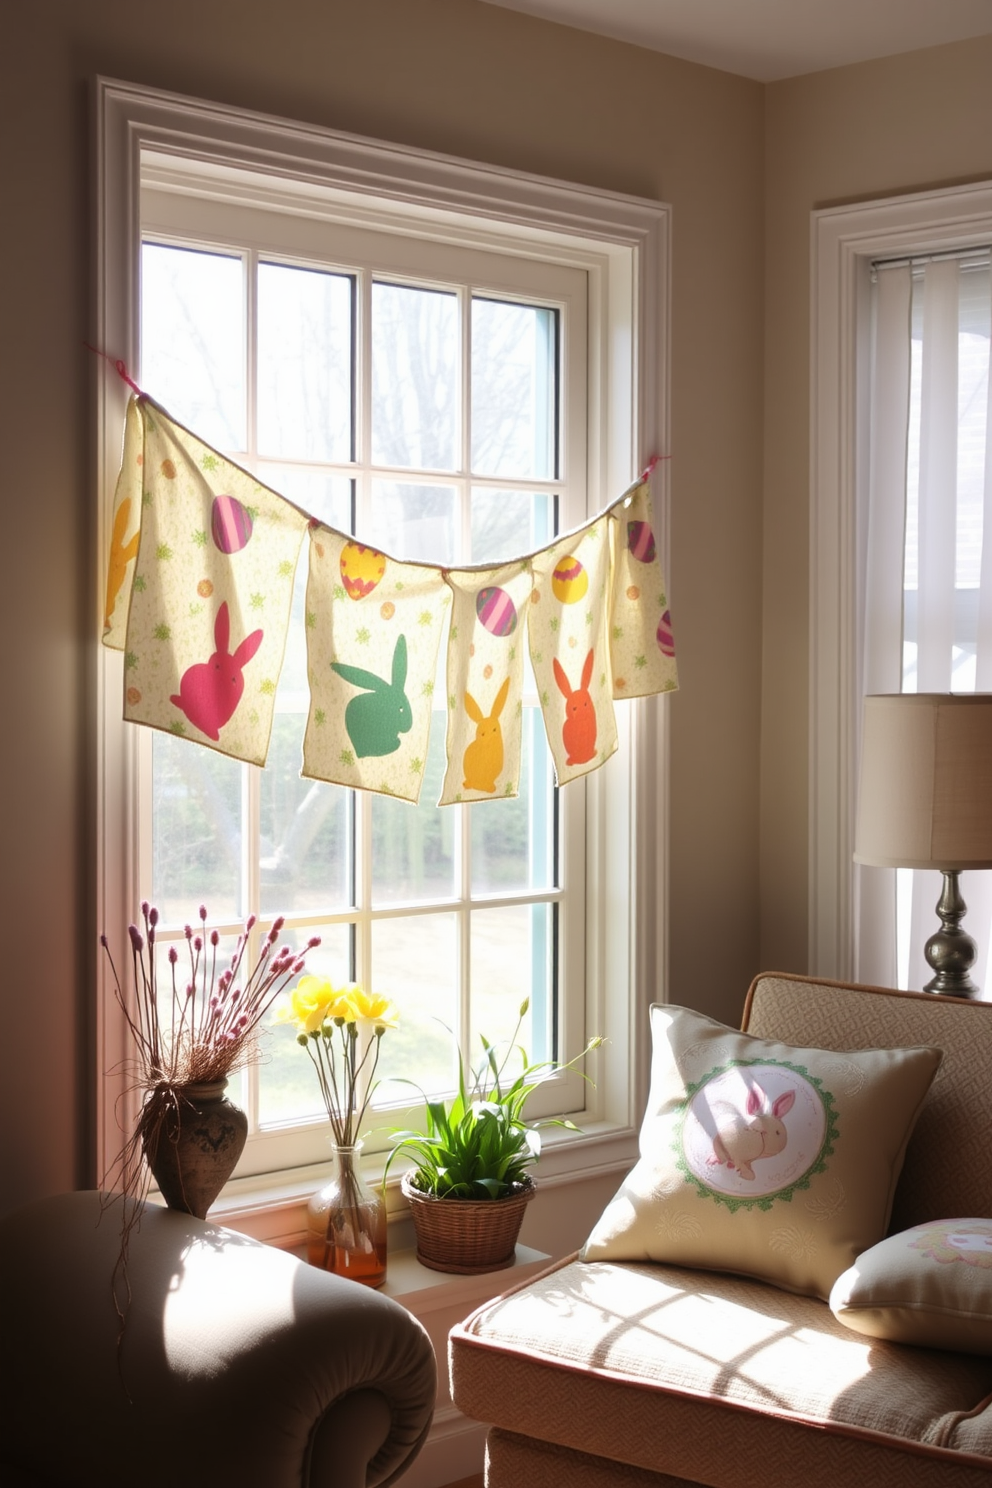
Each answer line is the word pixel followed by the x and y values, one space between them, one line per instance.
pixel 901 346
pixel 453 364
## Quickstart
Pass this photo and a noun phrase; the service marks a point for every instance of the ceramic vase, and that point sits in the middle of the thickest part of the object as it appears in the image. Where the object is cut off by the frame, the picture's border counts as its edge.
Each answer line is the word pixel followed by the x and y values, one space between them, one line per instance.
pixel 192 1137
pixel 346 1222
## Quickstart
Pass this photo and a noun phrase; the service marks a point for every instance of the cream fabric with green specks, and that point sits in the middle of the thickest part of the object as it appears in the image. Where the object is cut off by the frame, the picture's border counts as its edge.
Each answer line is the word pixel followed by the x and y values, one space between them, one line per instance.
pixel 373 633
pixel 485 679
pixel 211 591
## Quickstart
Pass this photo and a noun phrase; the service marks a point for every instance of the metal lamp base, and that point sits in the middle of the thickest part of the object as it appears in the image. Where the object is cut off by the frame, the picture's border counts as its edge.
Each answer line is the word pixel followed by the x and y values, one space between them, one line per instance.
pixel 950 951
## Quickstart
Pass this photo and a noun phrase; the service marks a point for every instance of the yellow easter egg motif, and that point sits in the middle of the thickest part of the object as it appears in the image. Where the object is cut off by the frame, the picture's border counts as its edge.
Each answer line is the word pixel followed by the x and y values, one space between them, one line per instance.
pixel 361 569
pixel 388 610
pixel 569 582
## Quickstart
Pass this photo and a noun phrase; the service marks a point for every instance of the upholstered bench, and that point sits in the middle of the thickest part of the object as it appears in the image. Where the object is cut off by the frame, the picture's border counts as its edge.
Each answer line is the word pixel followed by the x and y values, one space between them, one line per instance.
pixel 665 1369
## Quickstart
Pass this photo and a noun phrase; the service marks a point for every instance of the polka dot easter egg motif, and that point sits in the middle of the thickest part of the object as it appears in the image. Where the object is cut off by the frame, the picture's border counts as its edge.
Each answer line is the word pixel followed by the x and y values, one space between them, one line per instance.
pixel 361 569
pixel 642 644
pixel 496 610
pixel 231 524
pixel 484 682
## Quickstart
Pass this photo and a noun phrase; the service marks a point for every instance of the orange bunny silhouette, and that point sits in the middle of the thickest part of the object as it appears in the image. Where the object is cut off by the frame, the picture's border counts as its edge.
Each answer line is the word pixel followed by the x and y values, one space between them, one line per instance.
pixel 578 733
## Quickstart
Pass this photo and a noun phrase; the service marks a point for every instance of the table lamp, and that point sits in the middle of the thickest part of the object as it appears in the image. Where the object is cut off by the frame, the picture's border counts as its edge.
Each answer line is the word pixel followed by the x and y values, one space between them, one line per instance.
pixel 925 801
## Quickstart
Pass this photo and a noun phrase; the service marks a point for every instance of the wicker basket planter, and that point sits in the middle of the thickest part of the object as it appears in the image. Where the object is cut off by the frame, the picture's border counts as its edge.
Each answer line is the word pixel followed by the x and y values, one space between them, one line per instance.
pixel 466 1236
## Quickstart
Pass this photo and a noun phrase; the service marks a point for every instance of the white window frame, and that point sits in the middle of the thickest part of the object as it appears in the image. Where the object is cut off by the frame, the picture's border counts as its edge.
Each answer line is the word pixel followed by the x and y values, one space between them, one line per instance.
pixel 627 800
pixel 845 242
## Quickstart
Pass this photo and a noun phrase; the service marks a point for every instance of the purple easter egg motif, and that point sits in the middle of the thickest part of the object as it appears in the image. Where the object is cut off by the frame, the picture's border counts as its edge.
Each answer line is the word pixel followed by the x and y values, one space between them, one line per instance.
pixel 640 541
pixel 230 524
pixel 496 611
pixel 666 641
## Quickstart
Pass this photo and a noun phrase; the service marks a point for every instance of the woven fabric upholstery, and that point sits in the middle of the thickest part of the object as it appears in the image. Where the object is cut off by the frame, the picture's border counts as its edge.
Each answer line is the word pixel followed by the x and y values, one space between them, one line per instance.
pixel 519 1462
pixel 604 1357
pixel 947 1173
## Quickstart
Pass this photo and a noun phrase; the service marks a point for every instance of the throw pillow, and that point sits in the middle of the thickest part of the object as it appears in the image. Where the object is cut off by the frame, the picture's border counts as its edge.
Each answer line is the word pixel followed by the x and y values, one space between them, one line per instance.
pixel 759 1158
pixel 931 1285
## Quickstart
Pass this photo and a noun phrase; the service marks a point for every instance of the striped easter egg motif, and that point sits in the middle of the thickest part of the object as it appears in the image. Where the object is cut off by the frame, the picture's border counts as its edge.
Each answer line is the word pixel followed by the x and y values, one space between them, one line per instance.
pixel 496 611
pixel 666 641
pixel 640 541
pixel 230 524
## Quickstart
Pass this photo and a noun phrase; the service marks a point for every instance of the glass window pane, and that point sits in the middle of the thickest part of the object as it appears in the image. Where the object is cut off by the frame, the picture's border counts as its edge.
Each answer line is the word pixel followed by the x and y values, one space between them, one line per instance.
pixel 415 378
pixel 511 961
pixel 415 522
pixel 513 839
pixel 304 363
pixel 413 847
pixel 196 832
pixel 414 962
pixel 508 523
pixel 288 1087
pixel 305 851
pixel 193 340
pixel 514 390
pixel 327 497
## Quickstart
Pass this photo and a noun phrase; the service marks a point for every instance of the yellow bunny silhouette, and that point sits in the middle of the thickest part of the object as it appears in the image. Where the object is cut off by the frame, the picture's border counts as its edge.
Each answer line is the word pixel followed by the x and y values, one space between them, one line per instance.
pixel 121 553
pixel 484 756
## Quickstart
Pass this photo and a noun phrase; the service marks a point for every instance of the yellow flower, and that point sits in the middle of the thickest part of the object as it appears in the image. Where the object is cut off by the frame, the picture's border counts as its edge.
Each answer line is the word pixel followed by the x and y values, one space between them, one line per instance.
pixel 311 1002
pixel 370 1007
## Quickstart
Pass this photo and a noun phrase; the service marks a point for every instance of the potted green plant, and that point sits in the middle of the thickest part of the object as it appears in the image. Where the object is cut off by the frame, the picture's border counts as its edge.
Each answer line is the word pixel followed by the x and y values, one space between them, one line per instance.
pixel 470 1182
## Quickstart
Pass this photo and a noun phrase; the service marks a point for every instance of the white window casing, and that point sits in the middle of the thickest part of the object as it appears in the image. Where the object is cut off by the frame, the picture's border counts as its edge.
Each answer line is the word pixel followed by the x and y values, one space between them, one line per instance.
pixel 845 241
pixel 622 245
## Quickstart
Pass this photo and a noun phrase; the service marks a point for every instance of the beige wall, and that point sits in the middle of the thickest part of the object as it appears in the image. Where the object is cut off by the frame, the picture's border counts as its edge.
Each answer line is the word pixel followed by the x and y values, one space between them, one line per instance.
pixel 885 128
pixel 450 75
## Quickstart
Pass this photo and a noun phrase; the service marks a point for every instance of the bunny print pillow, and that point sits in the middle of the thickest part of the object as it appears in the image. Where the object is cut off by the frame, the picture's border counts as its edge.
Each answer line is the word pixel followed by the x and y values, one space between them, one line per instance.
pixel 759 1158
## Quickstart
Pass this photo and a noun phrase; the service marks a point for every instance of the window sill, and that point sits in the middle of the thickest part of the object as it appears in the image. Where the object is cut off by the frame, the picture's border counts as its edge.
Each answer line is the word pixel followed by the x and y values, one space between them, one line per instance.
pixel 272 1207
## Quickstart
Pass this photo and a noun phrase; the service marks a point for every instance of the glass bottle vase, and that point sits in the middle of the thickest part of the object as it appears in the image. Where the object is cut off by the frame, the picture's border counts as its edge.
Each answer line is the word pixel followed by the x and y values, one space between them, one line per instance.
pixel 346 1222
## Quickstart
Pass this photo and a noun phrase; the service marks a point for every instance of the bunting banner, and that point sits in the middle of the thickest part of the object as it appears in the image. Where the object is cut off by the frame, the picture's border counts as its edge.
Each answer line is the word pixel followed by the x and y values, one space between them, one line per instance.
pixel 200 578
pixel 485 667
pixel 373 634
pixel 214 562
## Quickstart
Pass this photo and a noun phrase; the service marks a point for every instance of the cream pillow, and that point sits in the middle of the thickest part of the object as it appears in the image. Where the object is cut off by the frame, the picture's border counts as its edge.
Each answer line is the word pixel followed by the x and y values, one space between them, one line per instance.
pixel 931 1285
pixel 762 1159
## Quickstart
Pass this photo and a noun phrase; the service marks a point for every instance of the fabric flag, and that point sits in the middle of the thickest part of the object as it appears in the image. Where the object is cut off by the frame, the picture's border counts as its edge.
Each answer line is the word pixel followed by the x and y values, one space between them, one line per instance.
pixel 642 647
pixel 211 593
pixel 485 682
pixel 124 538
pixel 568 629
pixel 374 629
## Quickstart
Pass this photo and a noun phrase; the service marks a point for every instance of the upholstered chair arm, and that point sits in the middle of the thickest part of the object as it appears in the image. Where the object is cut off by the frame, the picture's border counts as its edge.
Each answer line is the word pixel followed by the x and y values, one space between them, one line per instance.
pixel 235 1363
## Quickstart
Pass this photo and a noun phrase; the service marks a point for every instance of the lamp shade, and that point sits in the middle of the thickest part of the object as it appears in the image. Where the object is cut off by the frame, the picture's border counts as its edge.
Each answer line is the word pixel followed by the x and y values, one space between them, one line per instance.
pixel 925 799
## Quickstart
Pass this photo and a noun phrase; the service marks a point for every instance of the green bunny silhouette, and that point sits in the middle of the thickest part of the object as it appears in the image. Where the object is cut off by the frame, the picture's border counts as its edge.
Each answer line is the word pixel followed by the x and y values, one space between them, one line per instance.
pixel 376 718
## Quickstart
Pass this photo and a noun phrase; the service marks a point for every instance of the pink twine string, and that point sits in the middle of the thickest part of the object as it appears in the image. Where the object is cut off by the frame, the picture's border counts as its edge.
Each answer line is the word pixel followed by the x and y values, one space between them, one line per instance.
pixel 119 367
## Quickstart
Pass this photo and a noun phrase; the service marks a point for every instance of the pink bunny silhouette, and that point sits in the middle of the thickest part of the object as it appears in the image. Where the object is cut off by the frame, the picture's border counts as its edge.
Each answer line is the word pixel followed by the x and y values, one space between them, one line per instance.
pixel 210 691
pixel 578 732
pixel 741 1142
